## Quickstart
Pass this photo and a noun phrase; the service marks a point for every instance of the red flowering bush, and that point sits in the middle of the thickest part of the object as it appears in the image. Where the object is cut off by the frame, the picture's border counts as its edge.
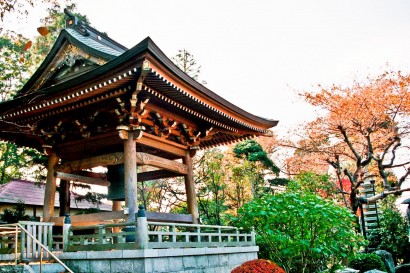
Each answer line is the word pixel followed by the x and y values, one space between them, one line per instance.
pixel 258 266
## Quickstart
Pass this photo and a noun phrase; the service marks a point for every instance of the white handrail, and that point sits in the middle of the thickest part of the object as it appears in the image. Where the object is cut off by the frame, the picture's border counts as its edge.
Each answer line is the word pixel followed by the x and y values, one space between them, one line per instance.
pixel 36 241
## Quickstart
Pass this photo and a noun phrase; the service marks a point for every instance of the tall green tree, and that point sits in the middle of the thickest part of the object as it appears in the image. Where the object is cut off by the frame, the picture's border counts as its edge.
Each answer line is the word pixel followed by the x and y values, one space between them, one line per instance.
pixel 14 64
pixel 256 165
pixel 210 178
pixel 17 162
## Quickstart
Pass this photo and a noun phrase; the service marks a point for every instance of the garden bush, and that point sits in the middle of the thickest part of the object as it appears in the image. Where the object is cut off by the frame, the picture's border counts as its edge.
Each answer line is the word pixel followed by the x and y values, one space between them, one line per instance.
pixel 365 262
pixel 392 235
pixel 302 232
pixel 258 266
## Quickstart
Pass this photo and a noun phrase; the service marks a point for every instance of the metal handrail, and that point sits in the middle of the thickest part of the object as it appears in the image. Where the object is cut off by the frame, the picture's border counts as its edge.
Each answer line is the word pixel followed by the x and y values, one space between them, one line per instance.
pixel 17 225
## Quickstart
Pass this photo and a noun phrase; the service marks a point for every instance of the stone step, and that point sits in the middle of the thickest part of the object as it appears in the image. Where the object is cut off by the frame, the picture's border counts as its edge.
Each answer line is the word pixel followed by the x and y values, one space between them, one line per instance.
pixel 370 219
pixel 48 268
pixel 372 213
pixel 370 207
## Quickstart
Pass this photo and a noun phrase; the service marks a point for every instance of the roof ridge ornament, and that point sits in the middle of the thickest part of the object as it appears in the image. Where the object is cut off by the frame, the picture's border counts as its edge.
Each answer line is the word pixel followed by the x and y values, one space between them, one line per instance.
pixel 75 23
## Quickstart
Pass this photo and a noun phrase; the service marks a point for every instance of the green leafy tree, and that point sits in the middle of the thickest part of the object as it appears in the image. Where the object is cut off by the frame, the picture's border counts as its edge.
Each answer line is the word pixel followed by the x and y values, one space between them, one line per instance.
pixel 256 165
pixel 19 163
pixel 13 64
pixel 313 183
pixel 211 186
pixel 302 232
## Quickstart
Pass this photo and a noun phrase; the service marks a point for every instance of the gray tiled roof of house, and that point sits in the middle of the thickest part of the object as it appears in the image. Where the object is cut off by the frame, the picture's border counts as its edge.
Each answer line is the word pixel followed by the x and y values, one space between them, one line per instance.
pixel 32 194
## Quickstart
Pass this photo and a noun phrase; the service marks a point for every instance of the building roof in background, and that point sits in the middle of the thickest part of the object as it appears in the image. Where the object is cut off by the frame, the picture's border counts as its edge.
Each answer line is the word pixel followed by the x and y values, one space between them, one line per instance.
pixel 32 193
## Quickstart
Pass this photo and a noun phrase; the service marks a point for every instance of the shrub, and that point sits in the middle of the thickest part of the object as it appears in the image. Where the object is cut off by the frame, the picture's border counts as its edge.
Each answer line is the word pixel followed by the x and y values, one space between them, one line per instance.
pixel 17 213
pixel 258 266
pixel 300 231
pixel 392 235
pixel 365 262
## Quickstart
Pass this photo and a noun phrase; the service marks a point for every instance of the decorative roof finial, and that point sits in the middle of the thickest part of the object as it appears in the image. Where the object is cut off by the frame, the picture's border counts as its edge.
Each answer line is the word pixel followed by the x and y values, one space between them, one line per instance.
pixel 74 23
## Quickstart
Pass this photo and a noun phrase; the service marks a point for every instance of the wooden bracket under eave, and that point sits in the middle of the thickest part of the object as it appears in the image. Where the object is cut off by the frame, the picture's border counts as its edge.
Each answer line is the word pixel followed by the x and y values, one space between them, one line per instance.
pixel 124 131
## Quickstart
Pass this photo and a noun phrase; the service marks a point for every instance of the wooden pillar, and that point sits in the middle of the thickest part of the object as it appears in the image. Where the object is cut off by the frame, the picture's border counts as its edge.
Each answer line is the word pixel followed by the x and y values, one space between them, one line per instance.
pixel 50 192
pixel 116 205
pixel 190 188
pixel 130 176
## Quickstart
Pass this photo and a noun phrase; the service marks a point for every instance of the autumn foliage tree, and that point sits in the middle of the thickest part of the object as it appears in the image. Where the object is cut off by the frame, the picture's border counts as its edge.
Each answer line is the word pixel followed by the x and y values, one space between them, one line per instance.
pixel 362 133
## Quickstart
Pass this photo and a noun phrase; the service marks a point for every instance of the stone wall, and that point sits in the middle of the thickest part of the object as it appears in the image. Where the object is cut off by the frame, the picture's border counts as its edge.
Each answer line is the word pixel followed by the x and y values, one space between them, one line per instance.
pixel 186 260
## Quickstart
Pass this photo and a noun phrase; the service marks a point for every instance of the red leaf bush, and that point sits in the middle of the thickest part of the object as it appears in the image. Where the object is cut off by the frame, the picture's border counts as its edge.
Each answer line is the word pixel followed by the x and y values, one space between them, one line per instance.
pixel 258 266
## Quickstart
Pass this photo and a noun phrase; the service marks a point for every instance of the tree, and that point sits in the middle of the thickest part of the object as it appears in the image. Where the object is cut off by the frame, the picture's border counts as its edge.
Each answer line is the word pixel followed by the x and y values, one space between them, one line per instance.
pixel 17 162
pixel 54 22
pixel 187 63
pixel 313 183
pixel 256 164
pixel 361 132
pixel 301 231
pixel 210 178
pixel 21 8
pixel 13 64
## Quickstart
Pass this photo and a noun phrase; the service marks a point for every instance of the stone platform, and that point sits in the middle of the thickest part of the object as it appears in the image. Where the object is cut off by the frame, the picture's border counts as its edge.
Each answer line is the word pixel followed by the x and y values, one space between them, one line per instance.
pixel 182 260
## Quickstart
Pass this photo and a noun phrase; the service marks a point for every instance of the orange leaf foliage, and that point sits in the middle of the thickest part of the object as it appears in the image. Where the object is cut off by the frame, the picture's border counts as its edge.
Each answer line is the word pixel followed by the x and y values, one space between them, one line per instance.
pixel 258 266
pixel 42 30
pixel 360 122
pixel 27 45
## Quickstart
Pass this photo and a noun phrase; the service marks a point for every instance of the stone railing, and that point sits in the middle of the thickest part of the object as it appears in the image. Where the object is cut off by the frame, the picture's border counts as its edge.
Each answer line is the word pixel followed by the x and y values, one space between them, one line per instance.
pixel 149 235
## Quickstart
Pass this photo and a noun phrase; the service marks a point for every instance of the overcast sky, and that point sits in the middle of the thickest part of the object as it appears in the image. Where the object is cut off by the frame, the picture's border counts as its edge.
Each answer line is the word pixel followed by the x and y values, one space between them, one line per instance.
pixel 259 54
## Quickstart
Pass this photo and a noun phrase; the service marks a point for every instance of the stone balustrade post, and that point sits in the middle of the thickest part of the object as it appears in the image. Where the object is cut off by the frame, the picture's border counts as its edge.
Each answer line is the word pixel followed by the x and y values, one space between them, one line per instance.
pixel 141 238
pixel 66 231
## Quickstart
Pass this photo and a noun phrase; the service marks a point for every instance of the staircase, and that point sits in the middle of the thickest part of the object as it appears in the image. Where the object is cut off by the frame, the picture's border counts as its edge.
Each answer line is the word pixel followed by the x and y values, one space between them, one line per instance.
pixel 371 211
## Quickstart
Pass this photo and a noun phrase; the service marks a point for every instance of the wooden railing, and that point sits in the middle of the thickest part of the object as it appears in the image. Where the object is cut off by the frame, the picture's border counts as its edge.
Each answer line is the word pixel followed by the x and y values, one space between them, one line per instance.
pixel 159 235
pixel 41 231
pixel 35 240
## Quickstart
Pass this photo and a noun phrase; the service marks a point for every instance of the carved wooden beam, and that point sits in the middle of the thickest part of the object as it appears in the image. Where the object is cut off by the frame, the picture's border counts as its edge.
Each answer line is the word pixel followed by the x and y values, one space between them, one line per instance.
pixel 82 179
pixel 166 164
pixel 118 158
pixel 153 175
pixel 102 176
pixel 163 144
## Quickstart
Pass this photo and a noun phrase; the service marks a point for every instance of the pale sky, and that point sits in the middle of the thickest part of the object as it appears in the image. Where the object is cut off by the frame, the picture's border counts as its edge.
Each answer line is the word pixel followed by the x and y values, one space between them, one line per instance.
pixel 259 54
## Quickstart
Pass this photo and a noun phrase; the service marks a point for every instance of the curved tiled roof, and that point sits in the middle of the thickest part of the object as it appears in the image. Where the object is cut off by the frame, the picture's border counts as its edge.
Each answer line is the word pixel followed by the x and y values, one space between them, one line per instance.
pixel 168 87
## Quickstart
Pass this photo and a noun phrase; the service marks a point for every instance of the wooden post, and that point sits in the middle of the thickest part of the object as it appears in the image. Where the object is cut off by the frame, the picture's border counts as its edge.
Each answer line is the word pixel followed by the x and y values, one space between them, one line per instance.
pixel 190 188
pixel 130 176
pixel 50 192
pixel 116 205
